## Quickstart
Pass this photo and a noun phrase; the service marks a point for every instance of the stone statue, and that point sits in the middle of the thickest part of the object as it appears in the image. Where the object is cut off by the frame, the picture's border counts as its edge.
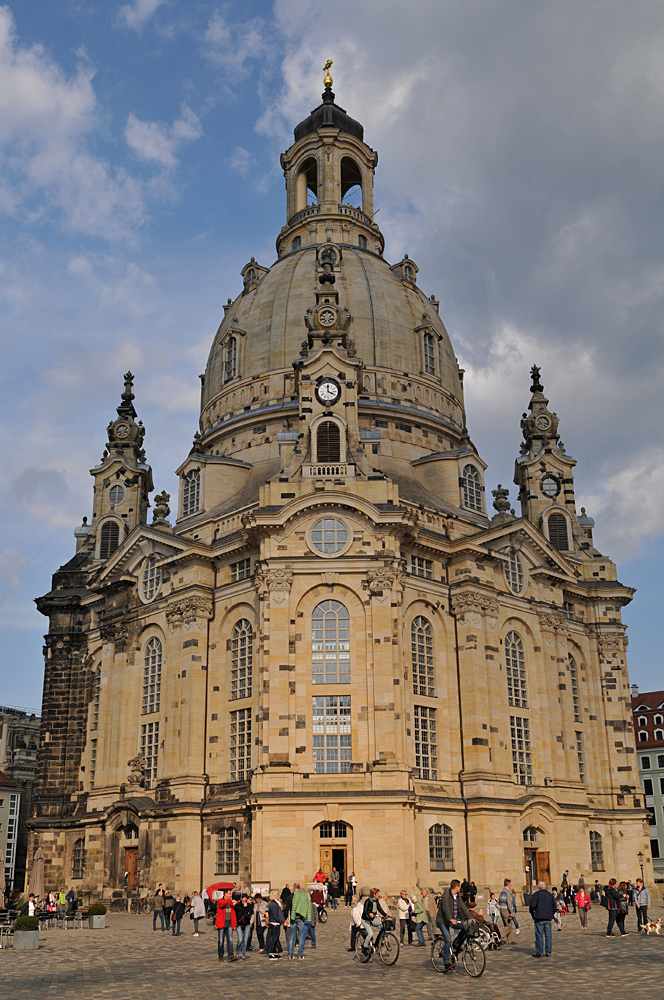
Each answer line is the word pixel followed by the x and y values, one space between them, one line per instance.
pixel 136 768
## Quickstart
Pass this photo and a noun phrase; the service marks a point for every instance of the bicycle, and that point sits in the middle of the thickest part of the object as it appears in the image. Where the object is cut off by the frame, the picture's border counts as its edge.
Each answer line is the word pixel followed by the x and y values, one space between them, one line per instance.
pixel 322 915
pixel 470 953
pixel 386 945
pixel 144 905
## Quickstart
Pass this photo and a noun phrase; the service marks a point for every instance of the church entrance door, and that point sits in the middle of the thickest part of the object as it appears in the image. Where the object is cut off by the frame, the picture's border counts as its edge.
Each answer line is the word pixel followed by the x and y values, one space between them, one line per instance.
pixel 326 862
pixel 543 868
pixel 530 866
pixel 131 868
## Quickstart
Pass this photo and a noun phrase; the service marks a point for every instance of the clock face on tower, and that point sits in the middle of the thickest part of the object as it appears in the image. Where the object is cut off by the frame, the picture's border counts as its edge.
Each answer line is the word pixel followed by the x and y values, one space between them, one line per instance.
pixel 121 430
pixel 543 422
pixel 328 391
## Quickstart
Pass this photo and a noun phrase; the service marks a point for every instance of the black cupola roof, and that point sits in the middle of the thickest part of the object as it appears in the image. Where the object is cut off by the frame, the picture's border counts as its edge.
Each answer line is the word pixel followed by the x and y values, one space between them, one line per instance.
pixel 329 113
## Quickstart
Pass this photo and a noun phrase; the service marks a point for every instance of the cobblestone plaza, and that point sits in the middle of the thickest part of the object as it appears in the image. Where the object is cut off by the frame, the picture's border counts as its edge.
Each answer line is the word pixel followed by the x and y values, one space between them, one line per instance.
pixel 128 959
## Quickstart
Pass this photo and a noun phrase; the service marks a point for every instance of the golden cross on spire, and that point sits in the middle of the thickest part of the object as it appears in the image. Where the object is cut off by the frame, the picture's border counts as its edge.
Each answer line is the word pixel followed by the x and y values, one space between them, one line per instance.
pixel 327 82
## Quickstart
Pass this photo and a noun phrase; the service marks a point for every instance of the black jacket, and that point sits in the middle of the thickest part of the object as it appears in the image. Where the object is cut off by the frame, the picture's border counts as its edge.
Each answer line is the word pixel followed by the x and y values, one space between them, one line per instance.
pixel 243 913
pixel 612 897
pixel 370 908
pixel 542 905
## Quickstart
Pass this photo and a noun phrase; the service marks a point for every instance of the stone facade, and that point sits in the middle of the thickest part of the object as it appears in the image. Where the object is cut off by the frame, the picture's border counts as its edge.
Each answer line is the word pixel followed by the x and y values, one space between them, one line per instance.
pixel 335 654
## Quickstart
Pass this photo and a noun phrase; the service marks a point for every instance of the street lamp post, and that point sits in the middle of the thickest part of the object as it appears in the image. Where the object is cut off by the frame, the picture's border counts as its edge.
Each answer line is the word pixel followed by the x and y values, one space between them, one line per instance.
pixel 641 856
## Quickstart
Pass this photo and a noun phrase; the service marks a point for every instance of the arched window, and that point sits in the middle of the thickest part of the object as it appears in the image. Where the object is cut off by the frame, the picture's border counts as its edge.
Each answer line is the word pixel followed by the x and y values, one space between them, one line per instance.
pixel 515 665
pixel 441 851
pixel 328 442
pixel 336 831
pixel 429 354
pixel 191 492
pixel 472 488
pixel 78 859
pixel 130 831
pixel 557 525
pixel 658 720
pixel 575 689
pixel 152 676
pixel 242 658
pixel 297 243
pixel 596 852
pixel 230 359
pixel 642 721
pixel 643 737
pixel 330 644
pixel 659 734
pixel 228 851
pixel 110 539
pixel 514 572
pixel 351 182
pixel 421 647
pixel 151 578
pixel 530 835
pixel 95 698
pixel 362 242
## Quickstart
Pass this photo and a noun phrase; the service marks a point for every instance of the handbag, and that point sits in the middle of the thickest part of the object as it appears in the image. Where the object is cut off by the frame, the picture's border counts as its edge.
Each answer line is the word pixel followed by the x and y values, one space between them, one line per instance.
pixel 623 906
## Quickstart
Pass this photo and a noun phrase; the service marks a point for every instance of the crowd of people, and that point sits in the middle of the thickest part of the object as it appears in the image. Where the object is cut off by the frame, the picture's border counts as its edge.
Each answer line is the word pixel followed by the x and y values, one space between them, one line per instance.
pixel 247 922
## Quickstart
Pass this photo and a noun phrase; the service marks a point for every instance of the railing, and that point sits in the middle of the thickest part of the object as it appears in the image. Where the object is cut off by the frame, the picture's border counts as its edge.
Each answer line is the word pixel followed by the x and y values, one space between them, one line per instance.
pixel 356 213
pixel 329 470
pixel 302 214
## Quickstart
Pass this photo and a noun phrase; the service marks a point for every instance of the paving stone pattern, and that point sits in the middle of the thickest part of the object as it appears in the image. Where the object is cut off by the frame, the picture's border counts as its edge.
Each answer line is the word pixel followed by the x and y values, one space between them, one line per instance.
pixel 129 960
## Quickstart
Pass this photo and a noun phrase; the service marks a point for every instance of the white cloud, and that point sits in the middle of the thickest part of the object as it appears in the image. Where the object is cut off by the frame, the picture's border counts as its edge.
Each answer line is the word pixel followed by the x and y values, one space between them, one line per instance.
pixel 241 161
pixel 12 564
pixel 137 13
pixel 235 47
pixel 157 143
pixel 45 121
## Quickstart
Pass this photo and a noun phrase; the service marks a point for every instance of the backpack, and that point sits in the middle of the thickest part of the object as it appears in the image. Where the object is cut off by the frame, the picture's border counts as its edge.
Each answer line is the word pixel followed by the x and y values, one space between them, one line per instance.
pixel 604 902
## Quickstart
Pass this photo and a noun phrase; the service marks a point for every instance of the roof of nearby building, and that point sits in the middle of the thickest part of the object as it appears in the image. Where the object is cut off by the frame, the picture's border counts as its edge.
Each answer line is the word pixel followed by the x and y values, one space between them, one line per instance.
pixel 648 700
pixel 7 782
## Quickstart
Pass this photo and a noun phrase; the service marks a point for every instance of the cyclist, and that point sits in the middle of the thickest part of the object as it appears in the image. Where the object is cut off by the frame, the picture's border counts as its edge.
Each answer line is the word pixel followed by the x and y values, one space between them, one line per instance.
pixel 370 915
pixel 452 911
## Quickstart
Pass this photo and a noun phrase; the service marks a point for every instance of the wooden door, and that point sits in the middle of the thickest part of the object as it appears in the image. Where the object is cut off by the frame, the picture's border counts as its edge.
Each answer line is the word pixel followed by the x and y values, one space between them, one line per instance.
pixel 131 867
pixel 326 859
pixel 543 870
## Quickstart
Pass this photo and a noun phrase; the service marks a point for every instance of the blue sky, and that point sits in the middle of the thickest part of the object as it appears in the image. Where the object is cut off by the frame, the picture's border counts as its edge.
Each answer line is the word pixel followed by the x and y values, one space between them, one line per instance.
pixel 520 149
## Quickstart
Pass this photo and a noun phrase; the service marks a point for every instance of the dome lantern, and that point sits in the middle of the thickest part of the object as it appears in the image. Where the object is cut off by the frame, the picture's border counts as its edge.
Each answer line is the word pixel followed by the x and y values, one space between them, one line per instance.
pixel 327 162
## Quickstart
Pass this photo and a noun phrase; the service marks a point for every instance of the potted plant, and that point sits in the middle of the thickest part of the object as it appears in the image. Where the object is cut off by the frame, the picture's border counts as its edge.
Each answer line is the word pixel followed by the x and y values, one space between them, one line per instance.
pixel 96 916
pixel 26 933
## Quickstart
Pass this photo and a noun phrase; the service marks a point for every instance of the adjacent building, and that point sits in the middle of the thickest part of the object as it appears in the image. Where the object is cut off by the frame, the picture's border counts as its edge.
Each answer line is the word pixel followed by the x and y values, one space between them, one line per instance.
pixel 334 649
pixel 10 805
pixel 19 741
pixel 648 711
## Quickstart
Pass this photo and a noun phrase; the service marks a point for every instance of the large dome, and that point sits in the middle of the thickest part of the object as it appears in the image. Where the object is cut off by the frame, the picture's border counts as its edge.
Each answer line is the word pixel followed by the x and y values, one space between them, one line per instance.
pixel 386 313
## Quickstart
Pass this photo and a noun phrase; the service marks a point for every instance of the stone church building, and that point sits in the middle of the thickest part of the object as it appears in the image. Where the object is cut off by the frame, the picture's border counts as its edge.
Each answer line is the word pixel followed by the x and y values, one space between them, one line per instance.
pixel 333 649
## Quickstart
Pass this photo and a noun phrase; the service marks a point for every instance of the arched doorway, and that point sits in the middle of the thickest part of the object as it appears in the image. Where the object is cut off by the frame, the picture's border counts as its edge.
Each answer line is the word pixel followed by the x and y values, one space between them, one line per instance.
pixel 335 849
pixel 536 859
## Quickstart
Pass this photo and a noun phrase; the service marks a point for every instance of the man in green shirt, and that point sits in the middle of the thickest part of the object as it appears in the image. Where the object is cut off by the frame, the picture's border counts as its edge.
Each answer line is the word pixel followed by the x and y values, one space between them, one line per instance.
pixel 300 910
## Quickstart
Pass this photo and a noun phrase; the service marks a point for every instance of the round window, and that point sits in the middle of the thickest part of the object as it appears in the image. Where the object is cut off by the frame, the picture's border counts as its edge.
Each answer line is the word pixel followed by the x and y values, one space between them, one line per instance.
pixel 116 494
pixel 329 535
pixel 151 578
pixel 550 486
